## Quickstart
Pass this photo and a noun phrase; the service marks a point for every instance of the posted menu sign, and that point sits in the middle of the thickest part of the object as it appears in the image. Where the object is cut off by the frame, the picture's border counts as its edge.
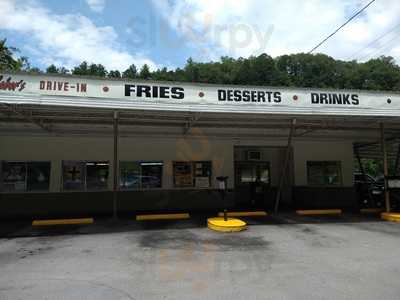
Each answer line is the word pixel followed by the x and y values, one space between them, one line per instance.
pixel 121 94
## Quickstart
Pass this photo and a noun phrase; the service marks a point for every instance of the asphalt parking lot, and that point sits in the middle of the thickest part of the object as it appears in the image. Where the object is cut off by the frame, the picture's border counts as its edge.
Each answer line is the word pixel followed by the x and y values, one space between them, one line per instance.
pixel 276 258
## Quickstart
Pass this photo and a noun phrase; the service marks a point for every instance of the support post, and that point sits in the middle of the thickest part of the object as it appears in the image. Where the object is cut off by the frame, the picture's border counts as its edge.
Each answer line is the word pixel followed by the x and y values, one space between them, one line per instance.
pixel 396 165
pixel 360 162
pixel 385 167
pixel 115 164
pixel 285 165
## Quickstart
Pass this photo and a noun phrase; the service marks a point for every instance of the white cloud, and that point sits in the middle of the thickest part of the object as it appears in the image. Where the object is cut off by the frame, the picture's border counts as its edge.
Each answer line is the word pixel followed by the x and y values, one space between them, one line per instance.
pixel 243 28
pixel 96 5
pixel 67 39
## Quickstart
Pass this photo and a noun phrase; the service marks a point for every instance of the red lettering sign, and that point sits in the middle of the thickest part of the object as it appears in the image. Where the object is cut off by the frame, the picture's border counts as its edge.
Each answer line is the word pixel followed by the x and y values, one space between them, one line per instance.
pixel 62 86
pixel 9 85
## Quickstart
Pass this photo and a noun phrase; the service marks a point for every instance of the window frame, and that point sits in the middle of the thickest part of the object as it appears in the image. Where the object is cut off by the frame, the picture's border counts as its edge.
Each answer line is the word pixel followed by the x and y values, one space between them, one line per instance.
pixel 139 162
pixel 26 164
pixel 325 164
pixel 84 180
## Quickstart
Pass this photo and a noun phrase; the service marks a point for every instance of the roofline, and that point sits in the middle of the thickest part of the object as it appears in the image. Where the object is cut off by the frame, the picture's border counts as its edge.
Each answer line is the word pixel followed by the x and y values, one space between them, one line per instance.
pixel 98 78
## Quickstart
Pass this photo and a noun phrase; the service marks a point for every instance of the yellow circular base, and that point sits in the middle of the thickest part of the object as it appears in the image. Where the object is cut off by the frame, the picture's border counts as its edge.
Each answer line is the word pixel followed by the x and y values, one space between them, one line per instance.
pixel 230 225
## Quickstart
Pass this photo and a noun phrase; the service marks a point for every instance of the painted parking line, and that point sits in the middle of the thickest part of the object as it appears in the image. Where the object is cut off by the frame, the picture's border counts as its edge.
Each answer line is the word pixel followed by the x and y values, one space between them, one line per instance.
pixel 311 212
pixel 371 210
pixel 62 222
pixel 393 217
pixel 181 216
pixel 244 214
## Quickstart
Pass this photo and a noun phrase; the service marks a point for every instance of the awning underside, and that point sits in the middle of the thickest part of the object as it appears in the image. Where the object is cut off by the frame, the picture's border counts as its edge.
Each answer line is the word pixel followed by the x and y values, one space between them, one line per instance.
pixel 56 120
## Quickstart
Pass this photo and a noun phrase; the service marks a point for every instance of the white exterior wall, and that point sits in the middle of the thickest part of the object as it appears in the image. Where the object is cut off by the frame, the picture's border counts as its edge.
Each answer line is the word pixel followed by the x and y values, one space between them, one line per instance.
pixel 220 152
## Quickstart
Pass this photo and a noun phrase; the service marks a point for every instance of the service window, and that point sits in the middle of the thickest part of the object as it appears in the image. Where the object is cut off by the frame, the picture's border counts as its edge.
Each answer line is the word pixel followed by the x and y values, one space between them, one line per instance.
pixel 250 172
pixel 192 174
pixel 38 176
pixel 96 175
pixel 151 174
pixel 129 175
pixel 140 175
pixel 85 175
pixel 324 173
pixel 74 175
pixel 22 176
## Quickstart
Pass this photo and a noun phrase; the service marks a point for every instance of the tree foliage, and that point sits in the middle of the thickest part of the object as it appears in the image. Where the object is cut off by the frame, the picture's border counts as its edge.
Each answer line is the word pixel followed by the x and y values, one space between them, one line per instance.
pixel 145 72
pixel 7 61
pixel 52 69
pixel 10 61
pixel 294 70
pixel 131 72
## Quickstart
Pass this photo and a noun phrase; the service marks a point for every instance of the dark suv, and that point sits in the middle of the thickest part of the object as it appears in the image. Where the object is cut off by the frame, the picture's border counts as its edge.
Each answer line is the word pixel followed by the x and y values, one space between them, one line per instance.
pixel 371 192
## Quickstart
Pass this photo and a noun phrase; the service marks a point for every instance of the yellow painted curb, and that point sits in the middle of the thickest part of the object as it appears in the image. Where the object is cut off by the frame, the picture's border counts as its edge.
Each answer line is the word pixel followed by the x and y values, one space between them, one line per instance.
pixel 319 212
pixel 162 217
pixel 62 222
pixel 371 210
pixel 393 217
pixel 244 214
pixel 231 225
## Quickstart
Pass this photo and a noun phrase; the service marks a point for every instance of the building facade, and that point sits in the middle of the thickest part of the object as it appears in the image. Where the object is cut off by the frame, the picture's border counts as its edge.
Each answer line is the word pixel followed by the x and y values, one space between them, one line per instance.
pixel 76 146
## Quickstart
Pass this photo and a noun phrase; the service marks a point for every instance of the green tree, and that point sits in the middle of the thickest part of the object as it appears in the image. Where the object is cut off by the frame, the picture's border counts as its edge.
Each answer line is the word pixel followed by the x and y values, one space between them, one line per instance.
pixel 131 72
pixel 90 70
pixel 380 74
pixel 163 75
pixel 114 74
pixel 7 61
pixel 97 70
pixel 191 71
pixel 145 72
pixel 52 69
pixel 82 69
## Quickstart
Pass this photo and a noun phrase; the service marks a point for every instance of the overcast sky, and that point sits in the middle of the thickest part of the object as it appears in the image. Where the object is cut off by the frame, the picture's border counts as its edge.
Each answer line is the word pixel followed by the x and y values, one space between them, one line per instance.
pixel 117 33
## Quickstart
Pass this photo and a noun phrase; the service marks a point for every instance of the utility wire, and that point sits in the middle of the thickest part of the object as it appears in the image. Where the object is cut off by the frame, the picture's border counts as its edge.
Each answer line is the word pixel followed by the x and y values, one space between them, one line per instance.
pixel 387 46
pixel 344 24
pixel 374 41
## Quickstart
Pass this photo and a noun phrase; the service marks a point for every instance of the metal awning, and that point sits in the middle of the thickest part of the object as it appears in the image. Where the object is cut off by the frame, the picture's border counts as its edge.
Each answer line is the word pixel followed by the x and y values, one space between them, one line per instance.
pixel 16 119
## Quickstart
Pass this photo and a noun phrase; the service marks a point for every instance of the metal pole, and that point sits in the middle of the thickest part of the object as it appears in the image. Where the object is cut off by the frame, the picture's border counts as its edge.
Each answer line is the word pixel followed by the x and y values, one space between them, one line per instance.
pixel 115 164
pixel 396 165
pixel 360 163
pixel 385 167
pixel 285 166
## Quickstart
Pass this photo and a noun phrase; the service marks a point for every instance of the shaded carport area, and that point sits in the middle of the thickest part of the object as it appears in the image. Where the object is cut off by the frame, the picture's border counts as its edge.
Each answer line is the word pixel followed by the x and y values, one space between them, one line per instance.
pixel 387 157
pixel 37 121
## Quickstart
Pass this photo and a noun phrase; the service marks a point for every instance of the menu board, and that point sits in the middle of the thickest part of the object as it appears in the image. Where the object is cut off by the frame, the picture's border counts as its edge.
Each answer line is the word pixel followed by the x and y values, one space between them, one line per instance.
pixel 202 182
pixel 183 175
pixel 189 174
